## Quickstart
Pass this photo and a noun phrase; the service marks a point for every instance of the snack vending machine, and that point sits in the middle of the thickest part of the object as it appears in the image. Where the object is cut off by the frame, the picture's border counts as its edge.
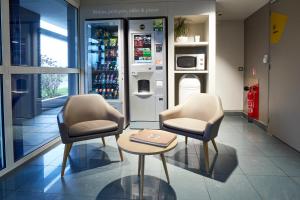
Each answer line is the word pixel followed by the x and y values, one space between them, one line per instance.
pixel 147 72
pixel 105 62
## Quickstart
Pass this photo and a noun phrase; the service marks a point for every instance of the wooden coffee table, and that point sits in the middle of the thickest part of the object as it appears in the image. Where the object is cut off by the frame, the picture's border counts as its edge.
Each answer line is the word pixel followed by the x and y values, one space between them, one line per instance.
pixel 142 150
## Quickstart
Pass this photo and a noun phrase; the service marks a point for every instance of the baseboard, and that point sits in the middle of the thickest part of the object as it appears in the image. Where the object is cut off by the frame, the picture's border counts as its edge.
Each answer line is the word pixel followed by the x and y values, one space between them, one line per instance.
pixel 144 125
pixel 256 122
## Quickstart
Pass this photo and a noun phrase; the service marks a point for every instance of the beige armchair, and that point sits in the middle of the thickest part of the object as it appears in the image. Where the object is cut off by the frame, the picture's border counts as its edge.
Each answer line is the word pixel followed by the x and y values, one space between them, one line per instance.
pixel 85 117
pixel 199 117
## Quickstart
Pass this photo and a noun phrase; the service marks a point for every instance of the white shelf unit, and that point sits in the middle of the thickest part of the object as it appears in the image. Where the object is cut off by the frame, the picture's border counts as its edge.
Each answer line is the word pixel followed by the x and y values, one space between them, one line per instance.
pixel 203 25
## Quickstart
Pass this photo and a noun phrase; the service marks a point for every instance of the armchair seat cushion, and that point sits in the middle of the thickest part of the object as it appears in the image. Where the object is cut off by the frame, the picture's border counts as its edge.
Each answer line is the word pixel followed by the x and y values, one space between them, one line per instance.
pixel 190 125
pixel 92 127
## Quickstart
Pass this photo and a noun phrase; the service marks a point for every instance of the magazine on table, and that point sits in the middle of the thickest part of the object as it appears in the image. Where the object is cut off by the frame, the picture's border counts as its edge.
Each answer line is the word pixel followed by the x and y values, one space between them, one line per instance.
pixel 153 137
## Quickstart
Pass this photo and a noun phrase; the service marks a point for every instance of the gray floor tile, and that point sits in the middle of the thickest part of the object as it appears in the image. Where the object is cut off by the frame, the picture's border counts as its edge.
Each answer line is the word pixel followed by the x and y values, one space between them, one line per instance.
pixel 29 196
pixel 20 176
pixel 235 188
pixel 48 157
pixel 4 192
pixel 223 149
pixel 72 197
pixel 245 151
pixel 182 149
pixel 83 185
pixel 296 179
pixel 261 138
pixel 43 180
pixel 189 162
pixel 226 165
pixel 290 165
pixel 275 187
pixel 254 165
pixel 277 150
pixel 128 188
pixel 183 185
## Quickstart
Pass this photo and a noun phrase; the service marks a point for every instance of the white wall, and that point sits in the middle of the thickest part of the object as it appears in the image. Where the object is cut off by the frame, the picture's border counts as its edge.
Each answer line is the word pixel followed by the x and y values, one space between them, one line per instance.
pixel 95 9
pixel 230 56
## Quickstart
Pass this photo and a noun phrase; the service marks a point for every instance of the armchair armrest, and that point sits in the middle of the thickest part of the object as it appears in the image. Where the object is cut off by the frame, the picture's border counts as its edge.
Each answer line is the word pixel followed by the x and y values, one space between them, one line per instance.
pixel 219 114
pixel 60 118
pixel 115 116
pixel 63 128
pixel 212 129
pixel 213 125
pixel 216 117
pixel 170 114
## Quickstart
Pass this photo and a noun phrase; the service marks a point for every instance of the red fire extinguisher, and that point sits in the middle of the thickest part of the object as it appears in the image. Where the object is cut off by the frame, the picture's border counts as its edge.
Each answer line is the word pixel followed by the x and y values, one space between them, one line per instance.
pixel 253 101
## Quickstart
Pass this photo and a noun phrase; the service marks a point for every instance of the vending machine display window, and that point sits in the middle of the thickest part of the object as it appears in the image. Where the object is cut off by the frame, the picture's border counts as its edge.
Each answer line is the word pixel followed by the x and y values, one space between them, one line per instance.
pixel 102 58
pixel 142 49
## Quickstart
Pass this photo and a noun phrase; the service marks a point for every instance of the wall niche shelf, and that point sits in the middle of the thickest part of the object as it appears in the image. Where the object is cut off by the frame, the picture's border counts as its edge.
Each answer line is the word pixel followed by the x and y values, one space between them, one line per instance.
pixel 203 81
pixel 190 44
pixel 191 72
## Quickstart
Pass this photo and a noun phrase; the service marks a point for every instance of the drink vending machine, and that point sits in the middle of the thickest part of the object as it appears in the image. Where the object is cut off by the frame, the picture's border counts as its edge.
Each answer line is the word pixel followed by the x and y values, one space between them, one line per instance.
pixel 105 62
pixel 147 71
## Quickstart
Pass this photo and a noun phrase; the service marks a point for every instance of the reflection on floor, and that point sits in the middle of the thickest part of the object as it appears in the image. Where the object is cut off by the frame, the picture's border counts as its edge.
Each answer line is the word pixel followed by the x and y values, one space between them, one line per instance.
pixel 35 132
pixel 250 165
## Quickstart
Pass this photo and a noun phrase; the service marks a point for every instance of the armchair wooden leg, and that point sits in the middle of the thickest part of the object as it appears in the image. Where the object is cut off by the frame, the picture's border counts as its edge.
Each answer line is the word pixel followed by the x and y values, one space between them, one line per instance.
pixel 103 141
pixel 205 148
pixel 66 154
pixel 186 140
pixel 215 145
pixel 120 151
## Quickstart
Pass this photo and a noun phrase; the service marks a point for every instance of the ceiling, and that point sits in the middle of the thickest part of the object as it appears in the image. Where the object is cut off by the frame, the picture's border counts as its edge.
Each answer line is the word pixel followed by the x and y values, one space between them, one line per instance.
pixel 238 9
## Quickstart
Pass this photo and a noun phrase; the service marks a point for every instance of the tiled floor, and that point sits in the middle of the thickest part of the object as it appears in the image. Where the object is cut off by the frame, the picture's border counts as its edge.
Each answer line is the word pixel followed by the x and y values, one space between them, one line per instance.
pixel 35 132
pixel 250 165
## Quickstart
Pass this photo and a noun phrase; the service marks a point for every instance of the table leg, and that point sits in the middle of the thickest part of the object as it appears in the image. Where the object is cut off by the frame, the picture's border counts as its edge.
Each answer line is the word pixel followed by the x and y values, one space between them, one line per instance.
pixel 165 166
pixel 142 176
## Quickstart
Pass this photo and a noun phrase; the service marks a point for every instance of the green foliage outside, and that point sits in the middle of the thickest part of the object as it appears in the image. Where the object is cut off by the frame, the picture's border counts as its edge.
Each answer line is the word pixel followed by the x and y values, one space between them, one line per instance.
pixel 51 82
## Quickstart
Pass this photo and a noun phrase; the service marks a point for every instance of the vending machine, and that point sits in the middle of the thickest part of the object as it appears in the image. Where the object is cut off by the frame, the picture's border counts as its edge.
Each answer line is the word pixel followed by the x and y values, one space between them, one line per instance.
pixel 147 72
pixel 105 62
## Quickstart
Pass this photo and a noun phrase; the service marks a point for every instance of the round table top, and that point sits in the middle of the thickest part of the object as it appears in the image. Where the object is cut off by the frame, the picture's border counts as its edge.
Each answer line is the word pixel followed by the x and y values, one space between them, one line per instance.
pixel 142 149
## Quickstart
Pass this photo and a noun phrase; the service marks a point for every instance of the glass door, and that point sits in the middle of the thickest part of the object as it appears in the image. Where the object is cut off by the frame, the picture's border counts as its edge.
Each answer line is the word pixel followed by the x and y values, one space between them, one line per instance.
pixel 103 60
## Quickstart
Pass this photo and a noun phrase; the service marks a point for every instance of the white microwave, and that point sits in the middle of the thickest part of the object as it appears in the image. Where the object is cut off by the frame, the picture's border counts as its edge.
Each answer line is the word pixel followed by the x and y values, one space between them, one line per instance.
pixel 190 62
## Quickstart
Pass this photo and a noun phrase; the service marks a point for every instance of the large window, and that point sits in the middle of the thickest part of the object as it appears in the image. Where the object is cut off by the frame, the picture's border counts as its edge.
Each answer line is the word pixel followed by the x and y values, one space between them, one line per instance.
pixel 36 100
pixel 2 157
pixel 0 39
pixel 43 33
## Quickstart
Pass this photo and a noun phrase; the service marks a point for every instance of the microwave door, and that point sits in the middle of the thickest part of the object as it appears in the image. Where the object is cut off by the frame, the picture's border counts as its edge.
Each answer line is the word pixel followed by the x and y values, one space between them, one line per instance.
pixel 186 62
